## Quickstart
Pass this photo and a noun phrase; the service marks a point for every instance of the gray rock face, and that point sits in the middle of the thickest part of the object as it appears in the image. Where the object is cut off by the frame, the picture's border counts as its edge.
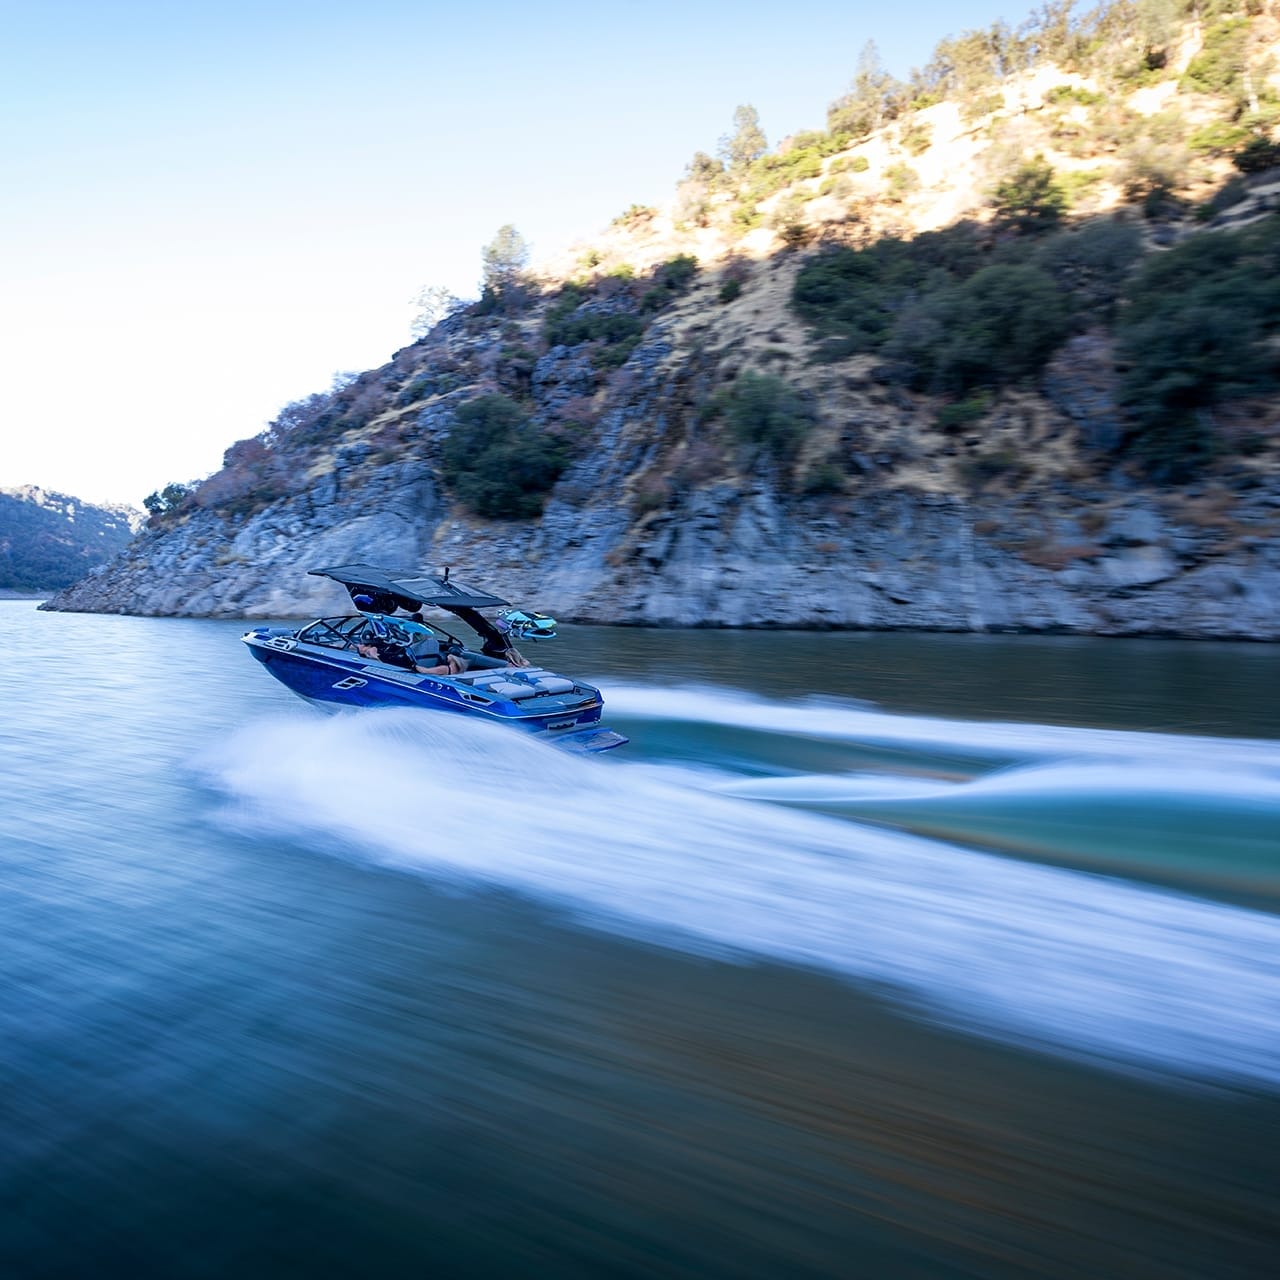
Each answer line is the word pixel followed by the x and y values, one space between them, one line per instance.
pixel 721 547
pixel 719 556
pixel 1081 381
pixel 563 374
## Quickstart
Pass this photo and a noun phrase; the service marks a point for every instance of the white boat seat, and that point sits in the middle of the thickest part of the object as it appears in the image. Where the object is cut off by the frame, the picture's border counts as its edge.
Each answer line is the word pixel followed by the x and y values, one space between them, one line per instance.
pixel 515 682
pixel 505 689
pixel 553 684
pixel 496 683
pixel 483 673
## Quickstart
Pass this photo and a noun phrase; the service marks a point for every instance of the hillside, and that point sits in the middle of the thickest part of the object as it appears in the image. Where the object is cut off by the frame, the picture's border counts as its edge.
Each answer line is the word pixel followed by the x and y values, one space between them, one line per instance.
pixel 997 349
pixel 48 540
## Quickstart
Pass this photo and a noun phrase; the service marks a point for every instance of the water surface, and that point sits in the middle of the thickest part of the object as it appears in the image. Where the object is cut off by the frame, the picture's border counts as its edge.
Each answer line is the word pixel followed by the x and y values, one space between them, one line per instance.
pixel 871 955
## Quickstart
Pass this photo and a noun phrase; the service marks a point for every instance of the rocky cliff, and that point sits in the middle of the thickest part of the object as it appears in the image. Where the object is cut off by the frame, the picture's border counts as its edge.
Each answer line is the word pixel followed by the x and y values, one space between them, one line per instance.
pixel 902 545
pixel 1005 504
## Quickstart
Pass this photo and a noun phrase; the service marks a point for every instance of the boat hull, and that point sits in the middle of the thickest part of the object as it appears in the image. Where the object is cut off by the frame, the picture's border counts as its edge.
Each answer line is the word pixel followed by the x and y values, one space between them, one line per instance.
pixel 338 678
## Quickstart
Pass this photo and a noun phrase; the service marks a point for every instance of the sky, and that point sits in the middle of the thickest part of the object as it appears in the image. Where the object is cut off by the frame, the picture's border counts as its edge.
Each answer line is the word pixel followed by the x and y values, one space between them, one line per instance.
pixel 208 210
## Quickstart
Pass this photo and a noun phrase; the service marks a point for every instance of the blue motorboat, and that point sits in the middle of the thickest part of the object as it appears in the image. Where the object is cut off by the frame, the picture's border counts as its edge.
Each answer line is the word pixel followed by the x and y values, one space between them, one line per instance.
pixel 377 657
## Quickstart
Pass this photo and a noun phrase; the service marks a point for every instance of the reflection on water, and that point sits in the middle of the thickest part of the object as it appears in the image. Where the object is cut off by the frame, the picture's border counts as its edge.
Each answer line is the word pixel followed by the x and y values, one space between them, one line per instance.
pixel 288 995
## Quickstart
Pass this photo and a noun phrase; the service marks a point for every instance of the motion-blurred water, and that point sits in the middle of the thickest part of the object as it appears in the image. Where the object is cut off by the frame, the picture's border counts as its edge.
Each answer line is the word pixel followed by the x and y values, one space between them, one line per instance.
pixel 376 991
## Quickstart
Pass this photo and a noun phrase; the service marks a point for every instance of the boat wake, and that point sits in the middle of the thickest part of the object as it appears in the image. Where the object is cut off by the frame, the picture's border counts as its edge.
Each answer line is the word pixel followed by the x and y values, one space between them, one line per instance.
pixel 717 852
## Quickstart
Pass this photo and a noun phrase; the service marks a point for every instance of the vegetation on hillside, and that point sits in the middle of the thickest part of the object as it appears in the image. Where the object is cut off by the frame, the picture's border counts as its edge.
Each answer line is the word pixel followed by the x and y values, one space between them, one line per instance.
pixel 50 540
pixel 1199 326
pixel 960 311
pixel 497 461
pixel 960 317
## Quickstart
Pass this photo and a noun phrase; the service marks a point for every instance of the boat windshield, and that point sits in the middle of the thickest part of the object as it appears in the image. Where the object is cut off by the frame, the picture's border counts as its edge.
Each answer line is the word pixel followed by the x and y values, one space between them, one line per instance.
pixel 346 633
pixel 335 633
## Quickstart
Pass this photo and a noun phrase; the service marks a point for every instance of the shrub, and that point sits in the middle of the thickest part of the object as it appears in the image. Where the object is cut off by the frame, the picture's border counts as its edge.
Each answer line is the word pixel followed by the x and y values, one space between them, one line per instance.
pixel 917 138
pixel 1257 155
pixel 1219 65
pixel 497 462
pixel 1077 185
pixel 568 325
pixel 764 411
pixel 849 164
pixel 1077 95
pixel 166 500
pixel 852 296
pixel 1217 137
pixel 795 234
pixel 902 180
pixel 1092 263
pixel 730 290
pixel 1197 327
pixel 635 213
pixel 978 108
pixel 676 273
pixel 998 326
pixel 615 354
pixel 1030 199
pixel 961 413
pixel 823 478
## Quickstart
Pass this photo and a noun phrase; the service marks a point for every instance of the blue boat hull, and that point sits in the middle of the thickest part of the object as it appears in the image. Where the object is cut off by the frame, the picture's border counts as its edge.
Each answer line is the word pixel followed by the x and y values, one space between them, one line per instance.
pixel 338 678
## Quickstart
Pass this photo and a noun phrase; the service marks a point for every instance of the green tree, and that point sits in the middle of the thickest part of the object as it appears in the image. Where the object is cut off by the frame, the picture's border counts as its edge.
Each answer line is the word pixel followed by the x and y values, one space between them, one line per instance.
pixel 996 327
pixel 170 498
pixel 871 100
pixel 703 168
pixel 764 412
pixel 1030 199
pixel 497 462
pixel 1052 34
pixel 1257 155
pixel 1198 326
pixel 503 262
pixel 746 143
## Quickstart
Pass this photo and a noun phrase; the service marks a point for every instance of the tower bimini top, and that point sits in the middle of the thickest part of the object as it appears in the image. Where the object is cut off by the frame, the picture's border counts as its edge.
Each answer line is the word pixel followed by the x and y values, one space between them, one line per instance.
pixel 410 588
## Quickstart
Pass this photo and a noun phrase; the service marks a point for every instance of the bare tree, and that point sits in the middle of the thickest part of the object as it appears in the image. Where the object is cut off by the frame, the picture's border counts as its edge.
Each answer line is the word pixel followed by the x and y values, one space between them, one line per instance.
pixel 434 303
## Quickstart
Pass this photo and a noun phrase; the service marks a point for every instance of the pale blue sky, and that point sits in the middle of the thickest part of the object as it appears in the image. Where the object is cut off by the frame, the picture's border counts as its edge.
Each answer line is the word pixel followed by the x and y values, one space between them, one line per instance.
pixel 210 208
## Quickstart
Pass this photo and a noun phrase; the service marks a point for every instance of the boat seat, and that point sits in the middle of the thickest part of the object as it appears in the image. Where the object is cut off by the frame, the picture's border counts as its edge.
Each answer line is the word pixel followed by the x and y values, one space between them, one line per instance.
pixel 515 682
pixel 552 684
pixel 483 673
pixel 501 688
pixel 426 653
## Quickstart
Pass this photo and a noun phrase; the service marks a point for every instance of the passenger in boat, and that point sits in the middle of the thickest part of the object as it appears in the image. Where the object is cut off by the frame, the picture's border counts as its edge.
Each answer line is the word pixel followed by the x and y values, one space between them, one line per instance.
pixel 394 655
pixel 454 664
pixel 384 651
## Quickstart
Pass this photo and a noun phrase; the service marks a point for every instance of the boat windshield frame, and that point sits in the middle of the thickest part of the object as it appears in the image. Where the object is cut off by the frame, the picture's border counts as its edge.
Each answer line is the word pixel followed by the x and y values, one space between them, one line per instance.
pixel 350 630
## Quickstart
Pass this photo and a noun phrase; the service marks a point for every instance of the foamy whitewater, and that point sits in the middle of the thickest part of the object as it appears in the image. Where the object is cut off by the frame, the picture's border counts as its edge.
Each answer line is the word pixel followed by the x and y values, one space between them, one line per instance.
pixel 750 861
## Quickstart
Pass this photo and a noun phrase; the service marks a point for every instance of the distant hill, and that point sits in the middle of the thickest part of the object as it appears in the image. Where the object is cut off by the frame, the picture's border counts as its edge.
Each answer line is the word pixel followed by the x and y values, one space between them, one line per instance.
pixel 49 540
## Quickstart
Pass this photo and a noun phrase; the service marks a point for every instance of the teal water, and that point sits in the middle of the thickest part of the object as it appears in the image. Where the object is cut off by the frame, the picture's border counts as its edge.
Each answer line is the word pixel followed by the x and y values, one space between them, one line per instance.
pixel 955 955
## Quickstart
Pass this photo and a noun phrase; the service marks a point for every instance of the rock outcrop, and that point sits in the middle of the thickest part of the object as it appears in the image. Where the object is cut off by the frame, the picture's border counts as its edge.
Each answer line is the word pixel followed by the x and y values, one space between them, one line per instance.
pixel 735 551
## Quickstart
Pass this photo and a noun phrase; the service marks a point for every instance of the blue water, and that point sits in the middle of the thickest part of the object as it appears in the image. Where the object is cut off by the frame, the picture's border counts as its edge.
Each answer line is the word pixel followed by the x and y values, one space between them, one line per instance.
pixel 255 956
